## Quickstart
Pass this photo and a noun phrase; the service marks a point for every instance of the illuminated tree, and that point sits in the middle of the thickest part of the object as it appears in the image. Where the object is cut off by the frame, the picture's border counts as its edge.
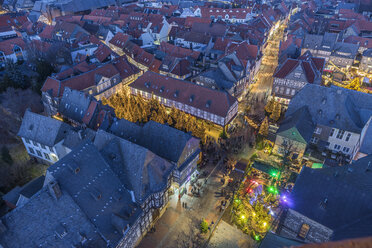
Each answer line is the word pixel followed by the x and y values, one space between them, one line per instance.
pixel 275 115
pixel 264 128
pixel 270 105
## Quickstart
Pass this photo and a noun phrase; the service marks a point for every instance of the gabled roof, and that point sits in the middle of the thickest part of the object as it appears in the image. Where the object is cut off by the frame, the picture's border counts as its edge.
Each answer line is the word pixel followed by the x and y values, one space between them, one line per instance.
pixel 119 40
pixel 74 105
pixel 138 169
pixel 339 198
pixel 161 139
pixel 7 46
pixel 42 129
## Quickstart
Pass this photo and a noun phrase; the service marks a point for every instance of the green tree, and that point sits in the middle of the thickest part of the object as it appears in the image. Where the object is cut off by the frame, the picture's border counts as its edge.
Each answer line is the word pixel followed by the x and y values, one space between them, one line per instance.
pixel 5 155
pixel 270 105
pixel 264 128
pixel 44 70
pixel 275 115
pixel 204 226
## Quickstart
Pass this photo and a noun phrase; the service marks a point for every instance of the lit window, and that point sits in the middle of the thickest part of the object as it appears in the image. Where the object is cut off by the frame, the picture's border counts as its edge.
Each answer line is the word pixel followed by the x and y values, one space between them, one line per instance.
pixel 304 230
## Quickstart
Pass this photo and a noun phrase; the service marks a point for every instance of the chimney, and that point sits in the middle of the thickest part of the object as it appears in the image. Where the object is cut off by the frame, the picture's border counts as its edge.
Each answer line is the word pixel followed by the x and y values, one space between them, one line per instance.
pixel 54 189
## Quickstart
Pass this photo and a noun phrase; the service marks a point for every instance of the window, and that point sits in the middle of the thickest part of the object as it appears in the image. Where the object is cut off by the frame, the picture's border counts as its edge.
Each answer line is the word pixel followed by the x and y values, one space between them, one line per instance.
pixel 46 155
pixel 35 143
pixel 337 147
pixel 293 92
pixel 297 75
pixel 50 148
pixel 318 130
pixel 304 230
pixel 346 149
pixel 340 134
pixel 314 140
pixel 31 150
pixel 42 146
pixel 288 90
pixel 348 137
pixel 39 153
pixel 332 132
pixel 27 141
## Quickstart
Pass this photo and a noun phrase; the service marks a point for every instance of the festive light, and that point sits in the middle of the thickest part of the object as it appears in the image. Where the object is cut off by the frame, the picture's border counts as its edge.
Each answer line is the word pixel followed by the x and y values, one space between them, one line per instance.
pixel 243 217
pixel 264 224
pixel 256 237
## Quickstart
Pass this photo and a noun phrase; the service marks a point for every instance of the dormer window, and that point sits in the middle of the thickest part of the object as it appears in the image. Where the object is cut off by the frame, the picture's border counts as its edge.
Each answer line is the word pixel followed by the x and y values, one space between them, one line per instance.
pixel 162 89
pixel 147 84
pixel 175 93
pixel 208 104
pixel 192 98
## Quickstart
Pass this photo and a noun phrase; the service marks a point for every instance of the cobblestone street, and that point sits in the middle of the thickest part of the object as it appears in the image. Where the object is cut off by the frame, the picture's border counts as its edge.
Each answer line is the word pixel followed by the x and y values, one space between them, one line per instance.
pixel 179 227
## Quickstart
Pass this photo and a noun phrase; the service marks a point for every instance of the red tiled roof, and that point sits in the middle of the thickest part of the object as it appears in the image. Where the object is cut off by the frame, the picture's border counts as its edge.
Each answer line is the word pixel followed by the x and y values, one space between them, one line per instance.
pixel 309 72
pixel 178 52
pixel 119 40
pixel 286 68
pixel 79 82
pixel 213 101
pixel 102 52
pixel 182 68
pixel 363 42
pixel 7 46
pixel 238 13
pixel 190 20
pixel 90 112
pixel 222 44
pixel 125 68
pixel 97 19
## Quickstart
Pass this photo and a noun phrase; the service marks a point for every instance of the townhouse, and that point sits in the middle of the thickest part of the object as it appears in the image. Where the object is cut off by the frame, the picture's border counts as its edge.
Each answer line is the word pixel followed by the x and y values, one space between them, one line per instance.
pixel 291 76
pixel 102 81
pixel 12 50
pixel 339 116
pixel 216 106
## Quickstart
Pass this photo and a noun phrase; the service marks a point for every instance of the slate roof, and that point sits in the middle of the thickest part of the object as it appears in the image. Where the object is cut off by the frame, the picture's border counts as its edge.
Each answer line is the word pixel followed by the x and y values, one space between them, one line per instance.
pixel 41 217
pixel 181 91
pixel 339 198
pixel 297 126
pixel 96 189
pixel 366 143
pixel 74 104
pixel 32 187
pixel 346 50
pixel 42 129
pixel 163 140
pixel 76 137
pixel 138 168
pixel 336 107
